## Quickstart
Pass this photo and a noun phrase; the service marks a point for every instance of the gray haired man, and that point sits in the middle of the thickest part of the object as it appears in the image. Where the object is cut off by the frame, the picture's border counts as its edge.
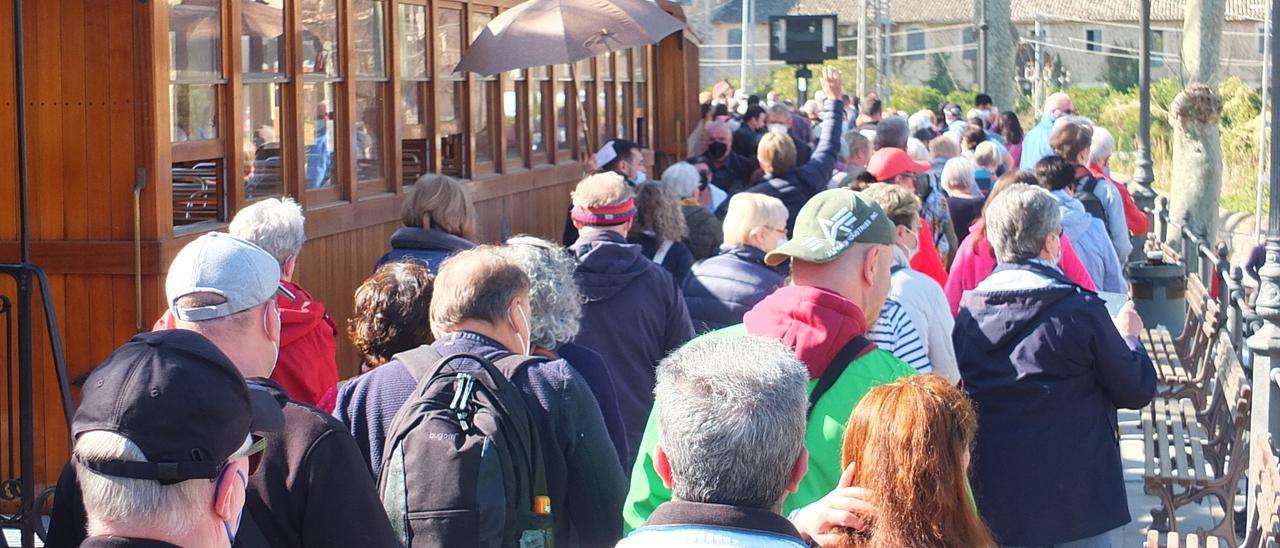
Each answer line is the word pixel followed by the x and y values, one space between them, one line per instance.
pixel 717 399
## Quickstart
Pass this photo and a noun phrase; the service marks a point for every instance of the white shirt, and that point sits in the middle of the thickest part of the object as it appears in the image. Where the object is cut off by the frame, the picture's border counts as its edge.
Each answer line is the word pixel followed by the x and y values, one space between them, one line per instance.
pixel 925 303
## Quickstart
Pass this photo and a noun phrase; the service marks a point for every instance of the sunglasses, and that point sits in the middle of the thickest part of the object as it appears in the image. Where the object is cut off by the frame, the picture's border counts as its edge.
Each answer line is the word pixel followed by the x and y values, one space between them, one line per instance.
pixel 256 450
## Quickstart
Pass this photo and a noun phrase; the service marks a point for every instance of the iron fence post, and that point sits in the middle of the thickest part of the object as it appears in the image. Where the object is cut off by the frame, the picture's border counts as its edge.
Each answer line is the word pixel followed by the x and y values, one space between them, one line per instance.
pixel 1235 314
pixel 1266 342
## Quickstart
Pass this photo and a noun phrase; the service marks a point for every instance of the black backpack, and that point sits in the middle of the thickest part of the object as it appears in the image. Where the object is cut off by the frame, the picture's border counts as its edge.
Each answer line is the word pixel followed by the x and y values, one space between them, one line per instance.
pixel 1085 193
pixel 463 464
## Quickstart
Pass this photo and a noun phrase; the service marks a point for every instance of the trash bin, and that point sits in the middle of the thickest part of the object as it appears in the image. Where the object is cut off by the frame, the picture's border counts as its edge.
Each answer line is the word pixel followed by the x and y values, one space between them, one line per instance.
pixel 1158 289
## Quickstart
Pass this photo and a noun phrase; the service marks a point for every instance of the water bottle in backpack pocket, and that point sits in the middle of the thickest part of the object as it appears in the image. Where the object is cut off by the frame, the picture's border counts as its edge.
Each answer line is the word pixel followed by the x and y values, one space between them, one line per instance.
pixel 463 464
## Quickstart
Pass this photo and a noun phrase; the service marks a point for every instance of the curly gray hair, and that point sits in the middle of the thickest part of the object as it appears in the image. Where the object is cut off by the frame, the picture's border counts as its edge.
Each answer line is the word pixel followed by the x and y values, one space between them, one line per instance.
pixel 554 297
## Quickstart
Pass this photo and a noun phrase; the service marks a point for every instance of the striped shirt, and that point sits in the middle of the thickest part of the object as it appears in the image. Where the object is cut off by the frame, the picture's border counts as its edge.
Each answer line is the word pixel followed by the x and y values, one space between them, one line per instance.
pixel 893 331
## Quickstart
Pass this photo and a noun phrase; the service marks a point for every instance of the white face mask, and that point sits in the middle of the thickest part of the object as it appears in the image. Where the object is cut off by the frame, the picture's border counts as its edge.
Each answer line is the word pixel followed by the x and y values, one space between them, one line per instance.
pixel 781 241
pixel 778 128
pixel 641 177
pixel 527 343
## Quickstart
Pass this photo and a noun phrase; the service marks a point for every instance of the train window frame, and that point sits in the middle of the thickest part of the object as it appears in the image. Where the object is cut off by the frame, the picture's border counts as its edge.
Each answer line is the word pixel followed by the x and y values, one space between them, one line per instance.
pixel 423 87
pixel 491 92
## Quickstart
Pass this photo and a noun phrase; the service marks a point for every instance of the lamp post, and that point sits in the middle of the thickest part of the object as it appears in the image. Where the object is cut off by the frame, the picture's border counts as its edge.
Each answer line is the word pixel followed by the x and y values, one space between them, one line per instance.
pixel 1144 196
pixel 982 45
pixel 1266 342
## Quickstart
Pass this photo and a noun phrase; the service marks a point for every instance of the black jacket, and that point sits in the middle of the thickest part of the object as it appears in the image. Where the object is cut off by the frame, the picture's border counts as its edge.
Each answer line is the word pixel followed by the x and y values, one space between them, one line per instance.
pixel 733 174
pixel 723 288
pixel 308 491
pixel 633 317
pixel 795 187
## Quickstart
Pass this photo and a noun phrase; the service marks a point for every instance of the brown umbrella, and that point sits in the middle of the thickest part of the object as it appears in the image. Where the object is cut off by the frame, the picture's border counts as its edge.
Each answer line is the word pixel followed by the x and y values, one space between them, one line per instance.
pixel 550 32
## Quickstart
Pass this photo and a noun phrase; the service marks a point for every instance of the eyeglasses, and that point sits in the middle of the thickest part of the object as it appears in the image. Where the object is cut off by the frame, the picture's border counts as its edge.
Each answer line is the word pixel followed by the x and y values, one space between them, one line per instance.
pixel 782 230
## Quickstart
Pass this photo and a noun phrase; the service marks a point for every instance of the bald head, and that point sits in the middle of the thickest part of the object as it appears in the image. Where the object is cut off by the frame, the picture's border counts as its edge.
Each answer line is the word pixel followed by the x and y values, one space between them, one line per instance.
pixel 719 131
pixel 1059 104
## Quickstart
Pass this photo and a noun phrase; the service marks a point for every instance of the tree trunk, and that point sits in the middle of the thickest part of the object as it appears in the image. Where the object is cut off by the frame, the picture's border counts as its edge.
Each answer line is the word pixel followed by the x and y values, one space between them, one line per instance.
pixel 1195 114
pixel 1197 161
pixel 1001 50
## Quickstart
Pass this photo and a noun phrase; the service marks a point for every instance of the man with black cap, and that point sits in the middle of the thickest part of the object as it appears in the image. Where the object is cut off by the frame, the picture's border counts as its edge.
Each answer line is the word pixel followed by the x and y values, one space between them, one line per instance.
pixel 162 445
pixel 224 288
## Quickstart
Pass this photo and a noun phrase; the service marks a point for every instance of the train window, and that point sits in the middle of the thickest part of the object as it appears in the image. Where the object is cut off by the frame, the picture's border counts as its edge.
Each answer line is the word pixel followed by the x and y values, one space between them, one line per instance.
pixel 515 93
pixel 450 91
pixel 321 115
pixel 370 51
pixel 483 93
pixel 539 113
pixel 564 111
pixel 640 98
pixel 415 94
pixel 198 196
pixel 263 64
pixel 195 71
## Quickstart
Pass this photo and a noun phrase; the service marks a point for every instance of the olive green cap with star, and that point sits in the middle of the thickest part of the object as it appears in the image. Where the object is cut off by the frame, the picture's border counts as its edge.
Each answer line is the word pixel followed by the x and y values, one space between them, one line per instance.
pixel 829 223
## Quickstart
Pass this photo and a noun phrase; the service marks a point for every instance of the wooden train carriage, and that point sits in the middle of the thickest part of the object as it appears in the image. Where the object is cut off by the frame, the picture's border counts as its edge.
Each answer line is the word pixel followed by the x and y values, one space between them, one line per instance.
pixel 153 121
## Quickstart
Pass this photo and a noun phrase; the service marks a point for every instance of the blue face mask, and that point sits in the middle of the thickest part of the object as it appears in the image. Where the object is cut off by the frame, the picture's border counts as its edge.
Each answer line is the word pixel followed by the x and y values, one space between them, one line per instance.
pixel 226 525
pixel 641 177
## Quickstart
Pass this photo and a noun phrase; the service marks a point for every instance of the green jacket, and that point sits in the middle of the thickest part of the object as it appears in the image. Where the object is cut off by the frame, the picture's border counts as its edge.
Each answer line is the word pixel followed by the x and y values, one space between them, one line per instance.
pixel 823 438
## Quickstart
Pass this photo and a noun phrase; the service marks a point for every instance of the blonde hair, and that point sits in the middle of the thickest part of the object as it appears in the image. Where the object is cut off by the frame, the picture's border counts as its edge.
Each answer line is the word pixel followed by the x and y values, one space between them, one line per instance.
pixel 658 211
pixel 987 155
pixel 440 202
pixel 601 190
pixel 776 153
pixel 750 213
pixel 899 204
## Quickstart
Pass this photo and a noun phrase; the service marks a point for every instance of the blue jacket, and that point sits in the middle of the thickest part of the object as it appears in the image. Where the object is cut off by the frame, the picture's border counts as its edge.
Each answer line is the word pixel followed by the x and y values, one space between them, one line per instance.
pixel 1035 145
pixel 795 187
pixel 591 366
pixel 1092 244
pixel 1047 369
pixel 723 288
pixel 429 247
pixel 633 317
pixel 585 480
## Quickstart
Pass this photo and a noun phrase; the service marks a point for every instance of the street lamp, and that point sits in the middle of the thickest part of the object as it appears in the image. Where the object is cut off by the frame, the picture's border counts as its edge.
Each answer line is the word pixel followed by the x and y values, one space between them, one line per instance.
pixel 1143 174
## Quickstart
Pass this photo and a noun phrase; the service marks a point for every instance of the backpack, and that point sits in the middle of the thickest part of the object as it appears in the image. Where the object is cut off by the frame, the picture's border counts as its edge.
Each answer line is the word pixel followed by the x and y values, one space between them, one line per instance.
pixel 463 464
pixel 1085 193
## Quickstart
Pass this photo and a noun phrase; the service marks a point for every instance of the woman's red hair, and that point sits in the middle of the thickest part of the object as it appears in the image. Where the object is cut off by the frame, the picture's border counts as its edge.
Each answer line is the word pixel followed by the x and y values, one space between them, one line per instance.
pixel 910 441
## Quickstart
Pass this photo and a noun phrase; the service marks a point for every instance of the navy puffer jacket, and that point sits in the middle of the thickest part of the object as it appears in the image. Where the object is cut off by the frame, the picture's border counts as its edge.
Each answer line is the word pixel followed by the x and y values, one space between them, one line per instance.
pixel 427 247
pixel 723 288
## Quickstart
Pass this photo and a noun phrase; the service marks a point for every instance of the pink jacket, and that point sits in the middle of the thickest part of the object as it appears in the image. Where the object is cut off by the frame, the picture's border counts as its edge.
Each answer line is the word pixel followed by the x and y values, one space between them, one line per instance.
pixel 975 261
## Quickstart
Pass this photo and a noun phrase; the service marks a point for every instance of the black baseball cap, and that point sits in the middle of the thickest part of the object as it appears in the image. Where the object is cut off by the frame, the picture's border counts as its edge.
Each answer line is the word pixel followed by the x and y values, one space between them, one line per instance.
pixel 180 400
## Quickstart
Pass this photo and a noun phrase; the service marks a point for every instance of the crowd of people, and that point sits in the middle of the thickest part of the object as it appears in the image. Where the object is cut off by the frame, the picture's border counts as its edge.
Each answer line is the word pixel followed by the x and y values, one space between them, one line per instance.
pixel 834 324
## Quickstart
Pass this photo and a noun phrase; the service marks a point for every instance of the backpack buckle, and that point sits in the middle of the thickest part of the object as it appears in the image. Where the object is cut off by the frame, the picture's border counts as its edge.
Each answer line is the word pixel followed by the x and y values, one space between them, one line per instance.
pixel 463 386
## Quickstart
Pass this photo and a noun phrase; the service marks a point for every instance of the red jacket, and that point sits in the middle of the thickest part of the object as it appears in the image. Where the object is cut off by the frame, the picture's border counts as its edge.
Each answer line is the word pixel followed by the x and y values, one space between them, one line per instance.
pixel 1135 218
pixel 307 366
pixel 926 260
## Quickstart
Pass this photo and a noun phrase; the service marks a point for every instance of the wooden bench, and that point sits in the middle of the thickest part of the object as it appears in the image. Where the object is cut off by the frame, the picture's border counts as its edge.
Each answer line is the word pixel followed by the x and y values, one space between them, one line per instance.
pixel 1265 528
pixel 1195 453
pixel 1183 364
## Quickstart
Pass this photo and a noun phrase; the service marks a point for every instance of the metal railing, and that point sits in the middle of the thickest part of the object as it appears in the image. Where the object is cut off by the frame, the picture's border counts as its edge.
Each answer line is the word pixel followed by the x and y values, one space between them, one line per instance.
pixel 1211 262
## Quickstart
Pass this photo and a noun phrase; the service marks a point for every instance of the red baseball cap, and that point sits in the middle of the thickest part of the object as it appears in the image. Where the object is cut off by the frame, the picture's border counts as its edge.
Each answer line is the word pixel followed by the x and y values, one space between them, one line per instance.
pixel 888 163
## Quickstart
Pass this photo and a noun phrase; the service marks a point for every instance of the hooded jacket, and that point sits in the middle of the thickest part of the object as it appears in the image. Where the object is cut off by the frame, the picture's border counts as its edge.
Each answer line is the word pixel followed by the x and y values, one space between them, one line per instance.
pixel 307 367
pixel 429 247
pixel 633 317
pixel 1092 243
pixel 1047 369
pixel 795 187
pixel 723 288
pixel 976 260
pixel 816 324
pixel 705 231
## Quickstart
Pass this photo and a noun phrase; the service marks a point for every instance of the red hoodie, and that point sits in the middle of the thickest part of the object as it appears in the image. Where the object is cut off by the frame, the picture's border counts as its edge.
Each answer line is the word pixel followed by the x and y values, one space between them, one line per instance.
pixel 813 322
pixel 307 366
pixel 927 261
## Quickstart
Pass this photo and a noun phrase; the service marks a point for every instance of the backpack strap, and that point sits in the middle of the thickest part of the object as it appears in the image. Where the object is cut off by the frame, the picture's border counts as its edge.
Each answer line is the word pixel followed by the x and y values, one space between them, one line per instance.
pixel 510 366
pixel 421 361
pixel 836 368
pixel 1090 184
pixel 661 254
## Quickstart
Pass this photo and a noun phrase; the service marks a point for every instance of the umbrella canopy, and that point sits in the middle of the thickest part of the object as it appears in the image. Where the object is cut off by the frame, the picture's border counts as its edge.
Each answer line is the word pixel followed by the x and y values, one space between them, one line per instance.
pixel 549 32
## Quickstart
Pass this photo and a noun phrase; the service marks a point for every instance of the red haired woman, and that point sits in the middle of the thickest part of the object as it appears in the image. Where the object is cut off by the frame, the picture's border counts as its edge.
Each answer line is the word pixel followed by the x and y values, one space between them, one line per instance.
pixel 910 441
